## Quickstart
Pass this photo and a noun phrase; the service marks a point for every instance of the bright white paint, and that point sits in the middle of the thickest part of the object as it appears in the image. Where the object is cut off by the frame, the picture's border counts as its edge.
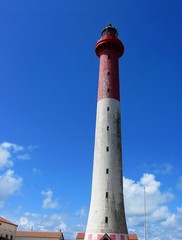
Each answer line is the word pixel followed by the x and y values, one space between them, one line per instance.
pixel 111 207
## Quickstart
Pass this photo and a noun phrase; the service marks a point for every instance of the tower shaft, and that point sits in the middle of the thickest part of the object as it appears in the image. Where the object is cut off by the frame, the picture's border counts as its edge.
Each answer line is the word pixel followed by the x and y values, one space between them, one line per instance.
pixel 107 215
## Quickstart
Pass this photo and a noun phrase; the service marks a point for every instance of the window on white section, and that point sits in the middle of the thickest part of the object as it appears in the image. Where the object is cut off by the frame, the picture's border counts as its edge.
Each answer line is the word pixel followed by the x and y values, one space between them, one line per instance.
pixel 107 170
pixel 108 109
pixel 107 149
pixel 106 219
pixel 107 128
pixel 107 194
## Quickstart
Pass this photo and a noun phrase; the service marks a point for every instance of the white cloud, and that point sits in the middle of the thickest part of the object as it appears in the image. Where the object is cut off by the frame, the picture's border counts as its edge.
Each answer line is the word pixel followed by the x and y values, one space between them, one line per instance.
pixel 14 147
pixel 169 221
pixel 9 152
pixel 5 158
pixel 159 169
pixel 160 219
pixel 36 171
pixel 174 221
pixel 81 212
pixel 164 169
pixel 134 195
pixel 32 147
pixel 24 156
pixel 39 222
pixel 24 221
pixel 62 227
pixel 48 202
pixel 162 223
pixel 168 229
pixel 148 180
pixel 9 184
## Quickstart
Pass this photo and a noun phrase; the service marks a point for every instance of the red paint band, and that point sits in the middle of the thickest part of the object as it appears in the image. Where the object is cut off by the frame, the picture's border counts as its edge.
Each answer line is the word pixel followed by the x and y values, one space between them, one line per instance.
pixel 109 49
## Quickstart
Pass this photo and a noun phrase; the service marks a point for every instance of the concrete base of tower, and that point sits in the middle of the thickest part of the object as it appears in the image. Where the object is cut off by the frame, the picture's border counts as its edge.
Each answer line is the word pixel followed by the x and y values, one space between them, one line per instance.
pixel 101 236
pixel 105 236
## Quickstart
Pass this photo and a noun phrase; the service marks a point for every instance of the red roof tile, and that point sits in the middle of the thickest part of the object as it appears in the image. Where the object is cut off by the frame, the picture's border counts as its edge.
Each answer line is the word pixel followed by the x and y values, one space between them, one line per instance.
pixel 38 234
pixel 80 235
pixel 132 237
pixel 6 221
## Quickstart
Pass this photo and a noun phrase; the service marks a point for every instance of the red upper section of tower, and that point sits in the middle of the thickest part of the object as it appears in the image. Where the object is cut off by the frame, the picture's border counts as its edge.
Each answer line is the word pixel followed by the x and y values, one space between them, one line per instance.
pixel 109 41
pixel 109 48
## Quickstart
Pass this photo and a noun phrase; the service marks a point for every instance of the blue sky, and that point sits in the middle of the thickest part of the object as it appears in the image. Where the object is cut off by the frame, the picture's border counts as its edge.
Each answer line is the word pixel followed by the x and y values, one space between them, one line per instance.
pixel 48 77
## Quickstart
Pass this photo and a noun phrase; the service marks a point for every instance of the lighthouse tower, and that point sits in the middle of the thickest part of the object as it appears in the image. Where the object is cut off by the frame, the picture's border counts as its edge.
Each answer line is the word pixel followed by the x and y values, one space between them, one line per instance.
pixel 106 218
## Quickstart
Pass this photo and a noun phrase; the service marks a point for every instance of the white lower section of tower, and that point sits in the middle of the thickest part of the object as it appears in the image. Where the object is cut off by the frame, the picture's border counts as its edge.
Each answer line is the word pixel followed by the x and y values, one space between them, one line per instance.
pixel 107 213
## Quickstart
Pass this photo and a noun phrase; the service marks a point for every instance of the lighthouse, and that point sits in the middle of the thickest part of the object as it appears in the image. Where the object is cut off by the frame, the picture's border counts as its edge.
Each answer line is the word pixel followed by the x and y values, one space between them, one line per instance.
pixel 106 218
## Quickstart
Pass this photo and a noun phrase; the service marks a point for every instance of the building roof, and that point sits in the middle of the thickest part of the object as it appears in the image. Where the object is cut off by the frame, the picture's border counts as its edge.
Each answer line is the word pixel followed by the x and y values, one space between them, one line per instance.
pixel 131 236
pixel 6 221
pixel 39 234
pixel 80 235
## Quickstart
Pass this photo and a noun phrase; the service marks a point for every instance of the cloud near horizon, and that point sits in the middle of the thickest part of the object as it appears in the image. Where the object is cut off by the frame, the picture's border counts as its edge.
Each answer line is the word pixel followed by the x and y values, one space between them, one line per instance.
pixel 48 202
pixel 9 152
pixel 81 212
pixel 159 216
pixel 10 183
pixel 38 222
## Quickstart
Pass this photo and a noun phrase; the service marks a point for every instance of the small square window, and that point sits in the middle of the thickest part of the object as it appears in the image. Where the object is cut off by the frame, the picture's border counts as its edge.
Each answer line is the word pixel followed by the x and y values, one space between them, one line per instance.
pixel 106 219
pixel 107 170
pixel 108 109
pixel 107 194
pixel 107 149
pixel 107 128
pixel 108 73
